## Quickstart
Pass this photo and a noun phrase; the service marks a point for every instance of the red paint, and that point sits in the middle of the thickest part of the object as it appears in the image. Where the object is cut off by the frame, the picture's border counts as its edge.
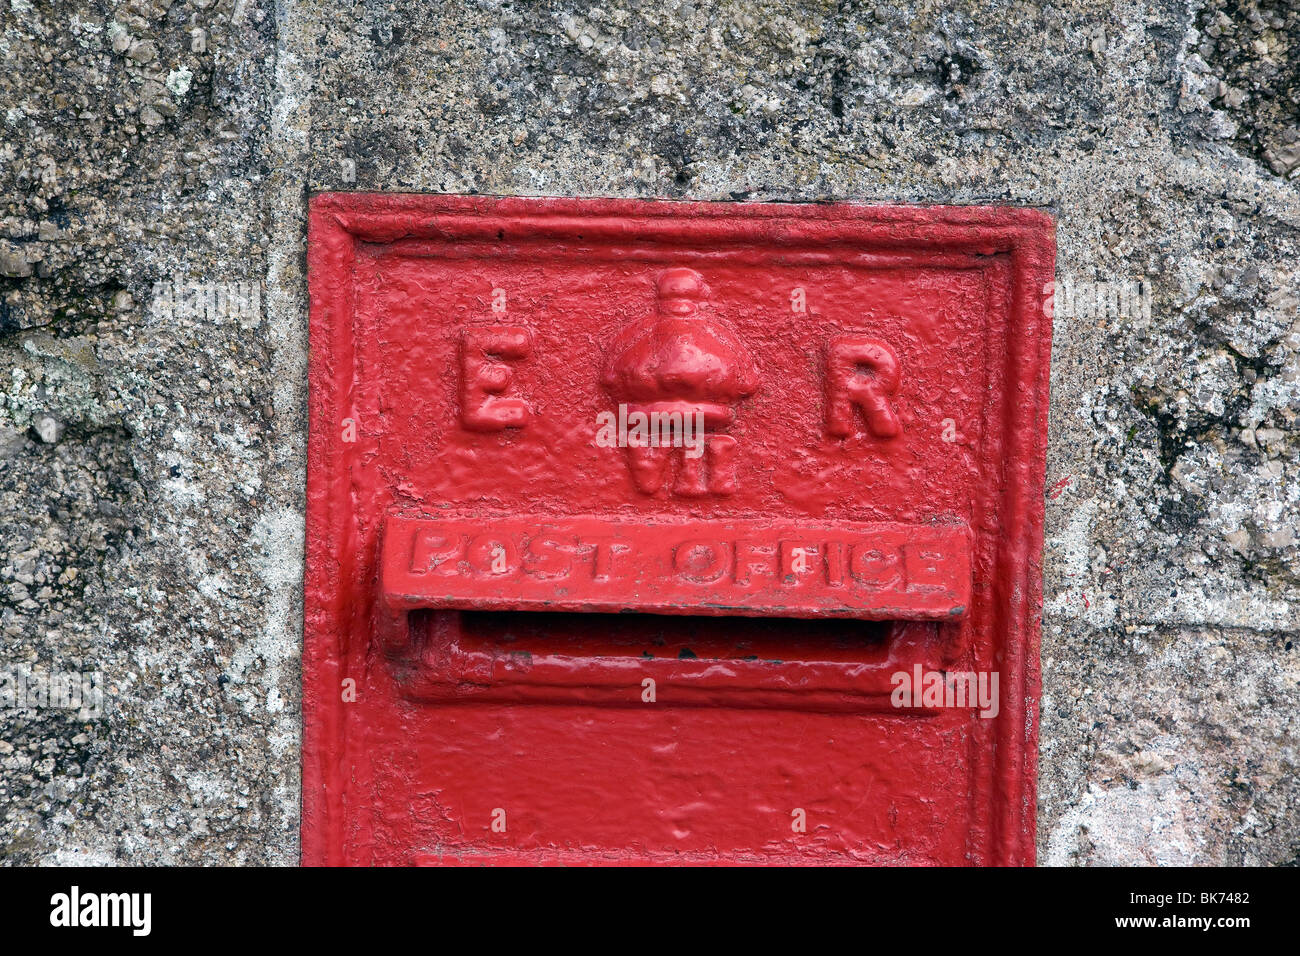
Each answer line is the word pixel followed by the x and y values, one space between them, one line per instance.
pixel 474 553
pixel 1059 488
pixel 746 567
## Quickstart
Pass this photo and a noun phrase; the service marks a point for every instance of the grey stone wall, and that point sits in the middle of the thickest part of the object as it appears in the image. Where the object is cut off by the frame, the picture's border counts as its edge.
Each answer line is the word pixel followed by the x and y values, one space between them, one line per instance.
pixel 151 464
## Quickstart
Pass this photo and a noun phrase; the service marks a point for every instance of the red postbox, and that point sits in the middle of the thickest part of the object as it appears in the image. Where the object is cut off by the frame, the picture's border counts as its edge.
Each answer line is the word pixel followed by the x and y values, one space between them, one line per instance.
pixel 673 532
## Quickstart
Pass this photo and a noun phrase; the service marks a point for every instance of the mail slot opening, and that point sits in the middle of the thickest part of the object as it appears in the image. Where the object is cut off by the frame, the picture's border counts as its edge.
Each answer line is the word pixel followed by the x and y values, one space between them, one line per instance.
pixel 680 637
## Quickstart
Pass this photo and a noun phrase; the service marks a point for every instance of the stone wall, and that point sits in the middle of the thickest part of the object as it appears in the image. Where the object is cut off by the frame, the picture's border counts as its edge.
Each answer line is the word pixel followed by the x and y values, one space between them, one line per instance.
pixel 151 459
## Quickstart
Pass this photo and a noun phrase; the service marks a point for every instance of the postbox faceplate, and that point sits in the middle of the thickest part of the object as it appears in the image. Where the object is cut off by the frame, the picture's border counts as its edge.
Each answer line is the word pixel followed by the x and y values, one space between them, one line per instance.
pixel 672 532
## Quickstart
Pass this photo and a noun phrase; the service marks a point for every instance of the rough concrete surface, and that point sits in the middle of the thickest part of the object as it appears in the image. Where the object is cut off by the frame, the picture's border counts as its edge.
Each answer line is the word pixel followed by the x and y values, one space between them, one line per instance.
pixel 152 469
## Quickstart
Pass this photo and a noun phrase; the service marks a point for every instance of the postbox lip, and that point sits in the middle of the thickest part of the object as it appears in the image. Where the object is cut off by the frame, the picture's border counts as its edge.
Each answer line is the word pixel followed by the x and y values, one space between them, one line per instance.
pixel 649 542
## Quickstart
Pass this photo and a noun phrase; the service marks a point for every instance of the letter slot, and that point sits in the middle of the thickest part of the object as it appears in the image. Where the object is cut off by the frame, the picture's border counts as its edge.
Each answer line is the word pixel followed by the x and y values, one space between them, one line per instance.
pixel 854 572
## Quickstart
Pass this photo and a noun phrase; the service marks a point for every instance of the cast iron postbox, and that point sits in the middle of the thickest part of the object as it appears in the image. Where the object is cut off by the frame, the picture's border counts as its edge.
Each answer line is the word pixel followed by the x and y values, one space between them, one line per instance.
pixel 673 532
